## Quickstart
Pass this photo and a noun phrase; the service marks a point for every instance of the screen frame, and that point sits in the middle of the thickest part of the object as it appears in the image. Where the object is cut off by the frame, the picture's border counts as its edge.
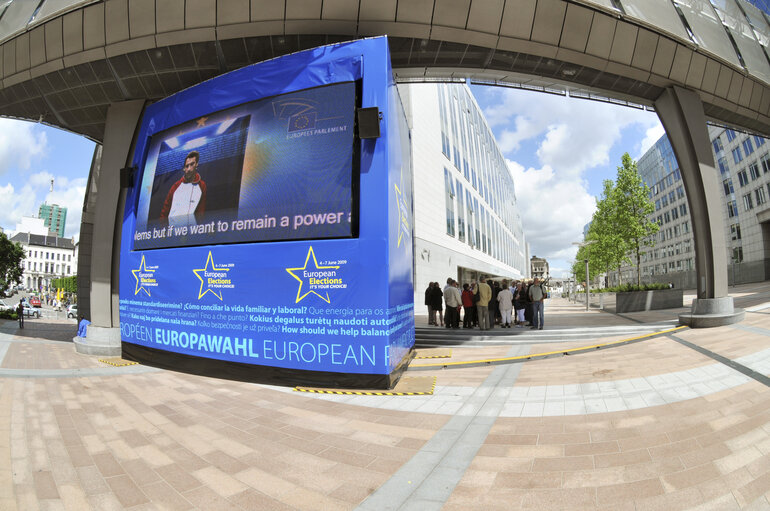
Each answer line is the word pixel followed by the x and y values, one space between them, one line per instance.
pixel 355 173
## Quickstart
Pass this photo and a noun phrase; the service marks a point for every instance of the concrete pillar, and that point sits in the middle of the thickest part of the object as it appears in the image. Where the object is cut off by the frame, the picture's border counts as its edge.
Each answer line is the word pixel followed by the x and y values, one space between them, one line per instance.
pixel 104 332
pixel 682 115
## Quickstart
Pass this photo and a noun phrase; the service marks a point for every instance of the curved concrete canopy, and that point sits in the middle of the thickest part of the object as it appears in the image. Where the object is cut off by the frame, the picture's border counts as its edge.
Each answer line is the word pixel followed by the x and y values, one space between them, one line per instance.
pixel 64 62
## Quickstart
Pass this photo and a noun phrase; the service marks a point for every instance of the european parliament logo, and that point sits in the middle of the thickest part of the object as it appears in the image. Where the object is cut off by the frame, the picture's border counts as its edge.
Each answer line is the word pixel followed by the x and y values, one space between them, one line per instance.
pixel 302 121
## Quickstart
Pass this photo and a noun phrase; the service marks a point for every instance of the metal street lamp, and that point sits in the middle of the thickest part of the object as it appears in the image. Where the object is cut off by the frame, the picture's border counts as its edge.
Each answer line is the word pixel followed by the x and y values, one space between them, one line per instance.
pixel 588 281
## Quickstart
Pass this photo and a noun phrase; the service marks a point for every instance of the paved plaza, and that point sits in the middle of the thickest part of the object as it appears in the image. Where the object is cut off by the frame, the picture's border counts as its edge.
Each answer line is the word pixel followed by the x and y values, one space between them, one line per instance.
pixel 677 420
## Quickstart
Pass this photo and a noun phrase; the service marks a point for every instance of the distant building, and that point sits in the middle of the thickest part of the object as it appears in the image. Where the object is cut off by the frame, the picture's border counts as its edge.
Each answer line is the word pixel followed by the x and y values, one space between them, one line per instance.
pixel 54 216
pixel 48 258
pixel 32 225
pixel 538 268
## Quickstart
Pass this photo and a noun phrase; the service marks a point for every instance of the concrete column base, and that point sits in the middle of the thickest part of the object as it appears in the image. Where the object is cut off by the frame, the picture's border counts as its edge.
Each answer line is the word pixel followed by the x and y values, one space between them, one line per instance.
pixel 100 341
pixel 711 312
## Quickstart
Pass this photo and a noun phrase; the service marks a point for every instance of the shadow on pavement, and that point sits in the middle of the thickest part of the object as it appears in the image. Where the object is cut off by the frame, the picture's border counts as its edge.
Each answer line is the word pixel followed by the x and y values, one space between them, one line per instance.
pixel 36 329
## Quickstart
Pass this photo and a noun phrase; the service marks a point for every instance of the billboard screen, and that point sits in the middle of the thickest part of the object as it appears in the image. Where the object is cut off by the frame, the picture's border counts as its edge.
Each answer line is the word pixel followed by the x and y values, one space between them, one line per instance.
pixel 263 240
pixel 279 168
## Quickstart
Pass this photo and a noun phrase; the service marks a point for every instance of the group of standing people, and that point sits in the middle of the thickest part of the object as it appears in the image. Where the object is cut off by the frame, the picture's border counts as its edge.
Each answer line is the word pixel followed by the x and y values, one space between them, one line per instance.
pixel 486 303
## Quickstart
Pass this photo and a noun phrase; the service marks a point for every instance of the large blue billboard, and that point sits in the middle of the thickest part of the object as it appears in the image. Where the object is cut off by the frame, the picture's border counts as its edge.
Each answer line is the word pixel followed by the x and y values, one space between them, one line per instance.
pixel 264 240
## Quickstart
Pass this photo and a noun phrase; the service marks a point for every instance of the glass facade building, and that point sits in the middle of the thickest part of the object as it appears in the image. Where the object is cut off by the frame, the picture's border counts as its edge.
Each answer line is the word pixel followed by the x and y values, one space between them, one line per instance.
pixel 54 216
pixel 467 221
pixel 742 162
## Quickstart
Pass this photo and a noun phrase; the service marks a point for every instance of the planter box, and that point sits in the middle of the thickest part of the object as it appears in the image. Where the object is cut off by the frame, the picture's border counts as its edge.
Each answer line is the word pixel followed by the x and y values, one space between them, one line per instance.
pixel 649 300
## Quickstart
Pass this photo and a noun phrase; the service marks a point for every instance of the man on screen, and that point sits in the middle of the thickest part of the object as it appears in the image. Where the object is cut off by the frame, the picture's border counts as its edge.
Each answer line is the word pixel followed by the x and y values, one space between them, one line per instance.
pixel 186 200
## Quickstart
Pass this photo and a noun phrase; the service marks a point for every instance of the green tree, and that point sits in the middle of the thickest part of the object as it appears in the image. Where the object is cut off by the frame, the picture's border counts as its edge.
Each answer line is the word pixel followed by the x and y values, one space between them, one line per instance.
pixel 632 206
pixel 609 251
pixel 11 269
pixel 68 284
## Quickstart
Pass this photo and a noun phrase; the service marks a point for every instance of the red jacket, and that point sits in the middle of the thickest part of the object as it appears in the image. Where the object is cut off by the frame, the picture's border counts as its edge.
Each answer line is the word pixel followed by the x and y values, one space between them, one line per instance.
pixel 467 298
pixel 199 209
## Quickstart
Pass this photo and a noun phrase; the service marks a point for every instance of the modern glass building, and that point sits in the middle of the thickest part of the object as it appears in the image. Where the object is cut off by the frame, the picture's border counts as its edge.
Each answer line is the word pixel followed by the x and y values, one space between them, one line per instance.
pixel 467 221
pixel 54 216
pixel 743 164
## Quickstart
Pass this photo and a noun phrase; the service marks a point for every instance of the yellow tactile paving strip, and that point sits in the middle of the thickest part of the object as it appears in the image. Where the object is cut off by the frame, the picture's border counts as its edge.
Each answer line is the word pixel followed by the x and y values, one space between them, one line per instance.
pixel 425 353
pixel 117 362
pixel 406 386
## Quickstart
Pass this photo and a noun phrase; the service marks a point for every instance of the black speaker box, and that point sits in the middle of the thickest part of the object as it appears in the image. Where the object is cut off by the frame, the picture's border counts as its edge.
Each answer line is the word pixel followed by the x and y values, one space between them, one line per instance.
pixel 368 122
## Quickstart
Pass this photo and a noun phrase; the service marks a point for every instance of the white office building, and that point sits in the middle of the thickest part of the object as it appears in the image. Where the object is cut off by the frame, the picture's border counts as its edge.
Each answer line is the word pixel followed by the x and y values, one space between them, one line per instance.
pixel 466 220
pixel 48 258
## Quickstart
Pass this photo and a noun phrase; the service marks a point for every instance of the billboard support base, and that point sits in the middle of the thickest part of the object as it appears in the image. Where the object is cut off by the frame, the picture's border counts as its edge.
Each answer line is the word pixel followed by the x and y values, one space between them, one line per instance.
pixel 263 374
pixel 100 341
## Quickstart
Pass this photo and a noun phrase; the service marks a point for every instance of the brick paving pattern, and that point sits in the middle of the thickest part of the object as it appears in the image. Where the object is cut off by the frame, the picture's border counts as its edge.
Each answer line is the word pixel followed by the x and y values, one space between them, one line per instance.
pixel 165 440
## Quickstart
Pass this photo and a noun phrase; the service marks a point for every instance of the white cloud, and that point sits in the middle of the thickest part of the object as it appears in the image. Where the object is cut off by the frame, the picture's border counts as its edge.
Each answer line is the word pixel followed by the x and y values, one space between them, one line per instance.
pixel 578 134
pixel 570 138
pixel 67 193
pixel 16 204
pixel 652 135
pixel 20 144
pixel 553 211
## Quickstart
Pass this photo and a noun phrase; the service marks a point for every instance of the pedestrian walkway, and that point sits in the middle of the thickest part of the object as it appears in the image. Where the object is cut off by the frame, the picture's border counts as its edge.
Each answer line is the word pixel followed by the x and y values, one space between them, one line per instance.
pixel 677 420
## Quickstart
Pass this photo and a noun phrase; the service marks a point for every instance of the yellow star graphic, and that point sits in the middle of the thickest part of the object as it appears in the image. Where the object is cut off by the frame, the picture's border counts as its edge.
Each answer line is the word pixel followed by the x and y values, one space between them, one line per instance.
pixel 403 218
pixel 209 267
pixel 291 271
pixel 142 269
pixel 202 121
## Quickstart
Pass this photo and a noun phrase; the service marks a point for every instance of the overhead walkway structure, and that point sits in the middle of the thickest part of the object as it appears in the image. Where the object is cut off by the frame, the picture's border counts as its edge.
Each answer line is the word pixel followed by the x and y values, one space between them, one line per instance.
pixel 90 67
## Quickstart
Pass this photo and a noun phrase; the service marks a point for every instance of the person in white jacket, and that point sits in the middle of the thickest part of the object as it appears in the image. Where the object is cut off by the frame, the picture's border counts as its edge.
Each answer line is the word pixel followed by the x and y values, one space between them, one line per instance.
pixel 505 299
pixel 186 200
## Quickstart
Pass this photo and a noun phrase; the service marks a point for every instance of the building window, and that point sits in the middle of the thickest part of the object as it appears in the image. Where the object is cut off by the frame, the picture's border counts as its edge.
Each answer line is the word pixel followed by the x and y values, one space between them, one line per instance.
pixel 666 217
pixel 460 213
pixel 664 201
pixel 759 194
pixel 478 222
pixel 758 141
pixel 469 215
pixel 723 168
pixel 754 171
pixel 717 142
pixel 748 147
pixel 747 202
pixel 449 196
pixel 732 209
pixel 680 192
pixel 737 254
pixel 683 209
pixel 765 163
pixel 743 179
pixel 737 157
pixel 677 230
pixel 730 135
pixel 728 186
pixel 657 204
pixel 674 214
pixel 735 232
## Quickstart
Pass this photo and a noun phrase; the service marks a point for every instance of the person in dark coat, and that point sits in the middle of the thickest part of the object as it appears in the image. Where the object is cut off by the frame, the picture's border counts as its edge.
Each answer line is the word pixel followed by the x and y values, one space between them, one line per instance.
pixel 437 302
pixel 431 315
pixel 527 306
pixel 494 305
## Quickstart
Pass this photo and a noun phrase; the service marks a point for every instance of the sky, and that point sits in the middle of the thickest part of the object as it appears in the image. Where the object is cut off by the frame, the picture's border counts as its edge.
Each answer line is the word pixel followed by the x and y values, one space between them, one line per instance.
pixel 32 154
pixel 558 149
